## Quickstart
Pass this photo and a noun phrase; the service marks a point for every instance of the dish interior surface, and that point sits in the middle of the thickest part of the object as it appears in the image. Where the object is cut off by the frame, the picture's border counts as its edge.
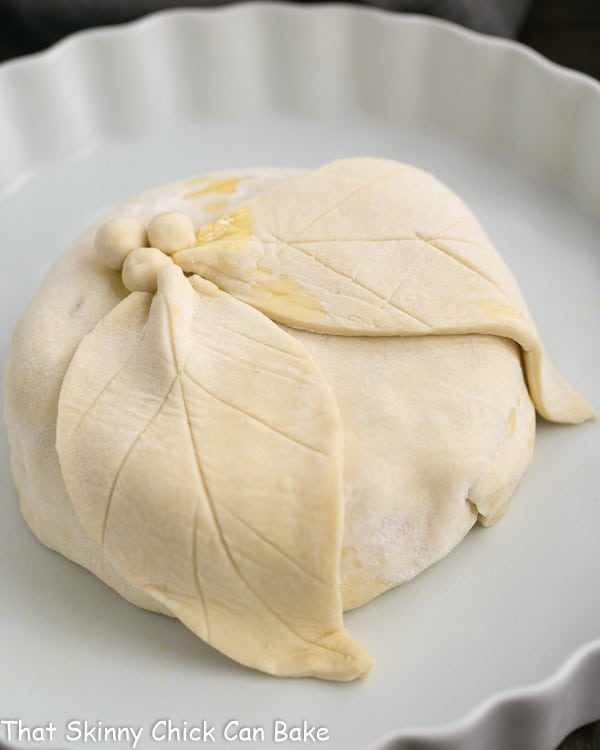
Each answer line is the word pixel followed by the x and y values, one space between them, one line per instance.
pixel 504 609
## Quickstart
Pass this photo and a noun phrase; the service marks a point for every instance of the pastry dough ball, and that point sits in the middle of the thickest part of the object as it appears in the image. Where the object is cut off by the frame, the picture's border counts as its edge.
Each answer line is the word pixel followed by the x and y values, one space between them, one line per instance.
pixel 171 231
pixel 117 237
pixel 141 268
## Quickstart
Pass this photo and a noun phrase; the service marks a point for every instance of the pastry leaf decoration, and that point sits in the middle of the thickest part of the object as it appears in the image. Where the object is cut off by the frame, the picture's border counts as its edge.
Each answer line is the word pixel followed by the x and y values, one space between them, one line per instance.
pixel 202 448
pixel 373 247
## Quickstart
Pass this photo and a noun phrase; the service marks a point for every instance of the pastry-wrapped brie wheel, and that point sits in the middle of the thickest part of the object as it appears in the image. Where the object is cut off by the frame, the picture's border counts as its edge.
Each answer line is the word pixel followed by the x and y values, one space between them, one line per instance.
pixel 309 402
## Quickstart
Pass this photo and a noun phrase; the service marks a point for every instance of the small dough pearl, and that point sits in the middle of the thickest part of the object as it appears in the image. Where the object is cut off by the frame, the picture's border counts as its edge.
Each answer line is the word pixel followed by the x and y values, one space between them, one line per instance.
pixel 117 237
pixel 171 231
pixel 141 268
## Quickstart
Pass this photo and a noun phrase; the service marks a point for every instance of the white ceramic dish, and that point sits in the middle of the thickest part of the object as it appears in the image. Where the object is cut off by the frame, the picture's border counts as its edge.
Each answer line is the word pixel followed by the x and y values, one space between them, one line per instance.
pixel 503 631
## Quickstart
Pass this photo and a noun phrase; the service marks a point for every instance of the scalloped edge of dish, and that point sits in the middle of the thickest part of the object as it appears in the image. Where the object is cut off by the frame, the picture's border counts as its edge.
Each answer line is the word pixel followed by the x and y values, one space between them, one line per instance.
pixel 537 716
pixel 63 81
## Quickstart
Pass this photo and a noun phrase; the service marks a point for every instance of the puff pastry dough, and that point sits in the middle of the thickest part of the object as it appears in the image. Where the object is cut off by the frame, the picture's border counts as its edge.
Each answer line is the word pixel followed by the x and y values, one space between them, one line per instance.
pixel 333 381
